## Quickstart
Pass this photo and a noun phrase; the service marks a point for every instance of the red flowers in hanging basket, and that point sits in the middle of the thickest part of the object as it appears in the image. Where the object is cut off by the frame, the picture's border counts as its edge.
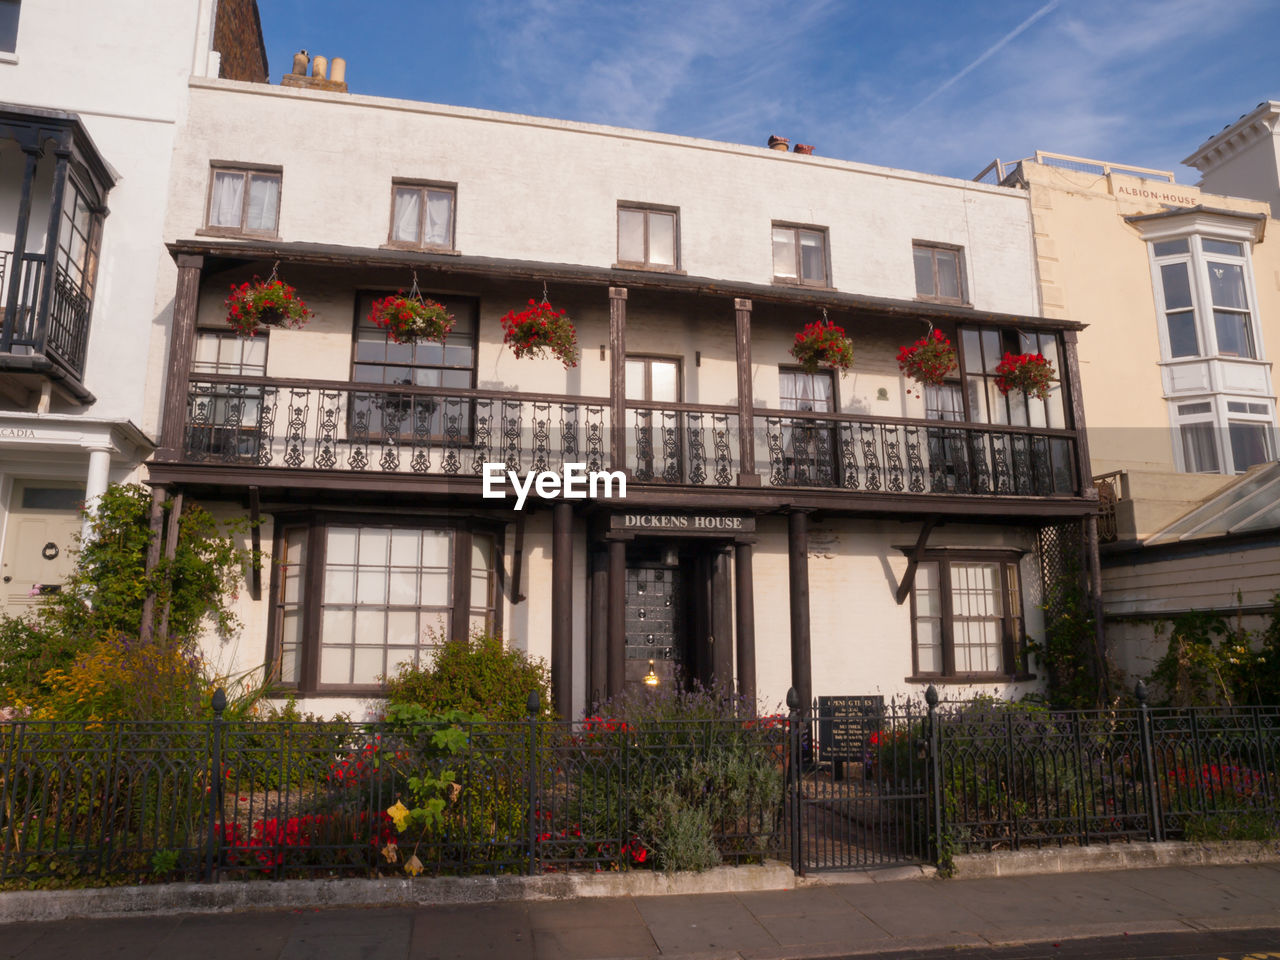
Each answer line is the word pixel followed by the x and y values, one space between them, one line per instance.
pixel 1028 372
pixel 822 343
pixel 929 359
pixel 271 303
pixel 540 329
pixel 410 319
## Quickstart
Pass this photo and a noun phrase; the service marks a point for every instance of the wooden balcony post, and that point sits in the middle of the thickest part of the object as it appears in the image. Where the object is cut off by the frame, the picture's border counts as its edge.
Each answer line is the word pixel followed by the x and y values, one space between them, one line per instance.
pixel 747 476
pixel 562 608
pixel 182 335
pixel 1083 468
pixel 618 377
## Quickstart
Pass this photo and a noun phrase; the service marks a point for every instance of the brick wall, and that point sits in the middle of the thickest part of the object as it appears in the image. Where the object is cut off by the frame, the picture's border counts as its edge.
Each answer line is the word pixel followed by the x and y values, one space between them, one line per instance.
pixel 237 35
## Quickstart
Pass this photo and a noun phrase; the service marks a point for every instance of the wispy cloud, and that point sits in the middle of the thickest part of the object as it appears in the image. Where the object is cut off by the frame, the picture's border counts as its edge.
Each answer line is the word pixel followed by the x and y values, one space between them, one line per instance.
pixel 986 55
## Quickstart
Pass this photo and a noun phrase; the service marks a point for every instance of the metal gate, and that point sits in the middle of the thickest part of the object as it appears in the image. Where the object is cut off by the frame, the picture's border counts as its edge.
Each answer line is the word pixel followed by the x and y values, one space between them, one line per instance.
pixel 859 786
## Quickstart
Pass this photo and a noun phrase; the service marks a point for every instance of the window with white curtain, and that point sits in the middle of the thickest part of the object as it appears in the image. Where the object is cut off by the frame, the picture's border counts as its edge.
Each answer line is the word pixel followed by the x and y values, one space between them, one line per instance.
pixel 244 201
pixel 422 214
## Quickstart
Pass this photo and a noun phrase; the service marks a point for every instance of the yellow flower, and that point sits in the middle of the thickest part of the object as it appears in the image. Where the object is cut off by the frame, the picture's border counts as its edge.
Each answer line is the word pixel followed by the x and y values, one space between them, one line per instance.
pixel 400 814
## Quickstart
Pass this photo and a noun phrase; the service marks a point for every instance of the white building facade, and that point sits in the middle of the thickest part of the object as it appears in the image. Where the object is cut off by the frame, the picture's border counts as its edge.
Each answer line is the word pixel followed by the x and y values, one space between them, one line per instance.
pixel 91 98
pixel 853 535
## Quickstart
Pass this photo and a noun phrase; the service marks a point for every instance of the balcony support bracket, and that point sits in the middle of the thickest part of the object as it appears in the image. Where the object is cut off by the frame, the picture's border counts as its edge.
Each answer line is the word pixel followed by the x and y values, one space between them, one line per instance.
pixel 913 561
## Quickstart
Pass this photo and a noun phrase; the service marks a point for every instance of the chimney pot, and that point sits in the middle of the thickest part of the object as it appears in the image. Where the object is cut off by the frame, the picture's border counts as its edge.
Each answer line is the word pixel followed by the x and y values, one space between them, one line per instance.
pixel 338 70
pixel 320 67
pixel 803 148
pixel 300 61
pixel 778 143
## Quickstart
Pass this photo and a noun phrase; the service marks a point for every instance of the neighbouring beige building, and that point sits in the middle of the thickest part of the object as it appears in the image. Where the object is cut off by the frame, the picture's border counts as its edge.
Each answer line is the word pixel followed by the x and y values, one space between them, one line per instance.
pixel 1179 289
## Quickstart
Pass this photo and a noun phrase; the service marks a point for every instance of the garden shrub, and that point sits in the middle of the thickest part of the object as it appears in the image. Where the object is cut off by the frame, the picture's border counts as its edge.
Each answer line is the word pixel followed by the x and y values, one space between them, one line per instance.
pixel 478 675
pixel 1212 660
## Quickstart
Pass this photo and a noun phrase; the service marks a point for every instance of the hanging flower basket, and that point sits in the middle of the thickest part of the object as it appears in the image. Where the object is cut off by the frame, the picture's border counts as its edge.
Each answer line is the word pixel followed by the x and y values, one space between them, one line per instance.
pixel 929 359
pixel 823 344
pixel 1028 372
pixel 540 329
pixel 412 318
pixel 270 303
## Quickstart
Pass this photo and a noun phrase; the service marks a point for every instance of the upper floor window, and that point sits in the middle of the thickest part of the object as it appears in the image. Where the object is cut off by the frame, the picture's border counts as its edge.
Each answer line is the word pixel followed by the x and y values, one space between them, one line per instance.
pixel 981 352
pixel 1223 434
pixel 939 273
pixel 800 255
pixel 379 359
pixel 244 201
pixel 9 25
pixel 1203 291
pixel 79 240
pixel 647 237
pixel 422 214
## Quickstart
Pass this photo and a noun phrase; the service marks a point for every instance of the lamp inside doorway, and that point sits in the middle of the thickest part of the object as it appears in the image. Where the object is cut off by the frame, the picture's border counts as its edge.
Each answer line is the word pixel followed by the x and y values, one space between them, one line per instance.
pixel 650 678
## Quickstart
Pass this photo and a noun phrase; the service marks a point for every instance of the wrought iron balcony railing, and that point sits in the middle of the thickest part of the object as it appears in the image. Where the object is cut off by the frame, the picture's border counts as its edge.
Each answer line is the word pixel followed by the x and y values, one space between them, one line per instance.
pixel 911 456
pixel 332 426
pixel 58 330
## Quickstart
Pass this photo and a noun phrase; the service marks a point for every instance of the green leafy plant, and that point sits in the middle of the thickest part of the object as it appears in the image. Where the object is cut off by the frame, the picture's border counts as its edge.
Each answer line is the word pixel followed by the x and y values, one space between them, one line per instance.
pixel 1212 659
pixel 479 675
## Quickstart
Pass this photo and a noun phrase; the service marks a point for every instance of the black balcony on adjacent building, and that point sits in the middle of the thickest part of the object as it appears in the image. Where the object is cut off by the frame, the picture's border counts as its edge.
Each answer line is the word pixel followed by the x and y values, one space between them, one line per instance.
pixel 59 184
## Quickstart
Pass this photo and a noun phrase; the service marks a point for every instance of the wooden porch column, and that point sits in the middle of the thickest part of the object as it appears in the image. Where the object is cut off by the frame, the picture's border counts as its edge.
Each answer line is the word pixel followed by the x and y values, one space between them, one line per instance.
pixel 182 336
pixel 1084 469
pixel 598 658
pixel 1095 601
pixel 9 319
pixel 617 618
pixel 460 621
pixel 562 608
pixel 722 622
pixel 744 599
pixel 798 570
pixel 747 476
pixel 618 377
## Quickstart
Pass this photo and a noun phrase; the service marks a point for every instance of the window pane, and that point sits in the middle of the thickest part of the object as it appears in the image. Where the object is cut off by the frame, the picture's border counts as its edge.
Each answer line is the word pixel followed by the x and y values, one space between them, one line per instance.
pixel 9 25
pixel 635 387
pixel 1167 248
pixel 813 263
pixel 1177 286
pixel 1233 333
pixel 1226 285
pixel 335 664
pixel 666 389
pixel 948 273
pixel 227 202
pixel 1220 246
pixel 435 548
pixel 1199 451
pixel 439 218
pixel 630 236
pixel 784 252
pixel 924 272
pixel 264 202
pixel 407 216
pixel 1182 335
pixel 929 646
pixel 662 239
pixel 1249 444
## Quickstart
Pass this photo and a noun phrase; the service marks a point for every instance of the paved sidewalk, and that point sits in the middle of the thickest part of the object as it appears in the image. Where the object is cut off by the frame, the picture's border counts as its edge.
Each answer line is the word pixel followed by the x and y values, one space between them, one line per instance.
pixel 817 920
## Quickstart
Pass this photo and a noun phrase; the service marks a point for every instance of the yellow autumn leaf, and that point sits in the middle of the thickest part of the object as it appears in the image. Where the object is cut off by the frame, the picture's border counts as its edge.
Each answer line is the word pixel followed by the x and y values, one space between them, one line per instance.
pixel 391 852
pixel 413 866
pixel 400 814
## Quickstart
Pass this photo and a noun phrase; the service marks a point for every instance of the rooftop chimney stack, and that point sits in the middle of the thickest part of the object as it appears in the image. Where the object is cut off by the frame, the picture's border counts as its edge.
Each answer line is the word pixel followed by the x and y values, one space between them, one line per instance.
pixel 321 76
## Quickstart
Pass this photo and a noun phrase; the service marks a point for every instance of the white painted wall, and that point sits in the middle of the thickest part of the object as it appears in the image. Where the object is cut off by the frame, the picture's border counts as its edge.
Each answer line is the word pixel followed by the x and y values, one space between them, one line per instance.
pixel 123 68
pixel 537 189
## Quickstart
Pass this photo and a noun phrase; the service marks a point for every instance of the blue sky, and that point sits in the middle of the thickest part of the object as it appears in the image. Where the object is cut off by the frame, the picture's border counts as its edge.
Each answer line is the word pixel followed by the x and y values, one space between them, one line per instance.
pixel 933 86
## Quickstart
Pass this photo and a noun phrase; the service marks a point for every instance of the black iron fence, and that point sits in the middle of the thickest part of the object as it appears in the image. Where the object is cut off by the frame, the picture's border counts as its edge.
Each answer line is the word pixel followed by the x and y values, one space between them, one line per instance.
pixel 833 788
pixel 239 800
